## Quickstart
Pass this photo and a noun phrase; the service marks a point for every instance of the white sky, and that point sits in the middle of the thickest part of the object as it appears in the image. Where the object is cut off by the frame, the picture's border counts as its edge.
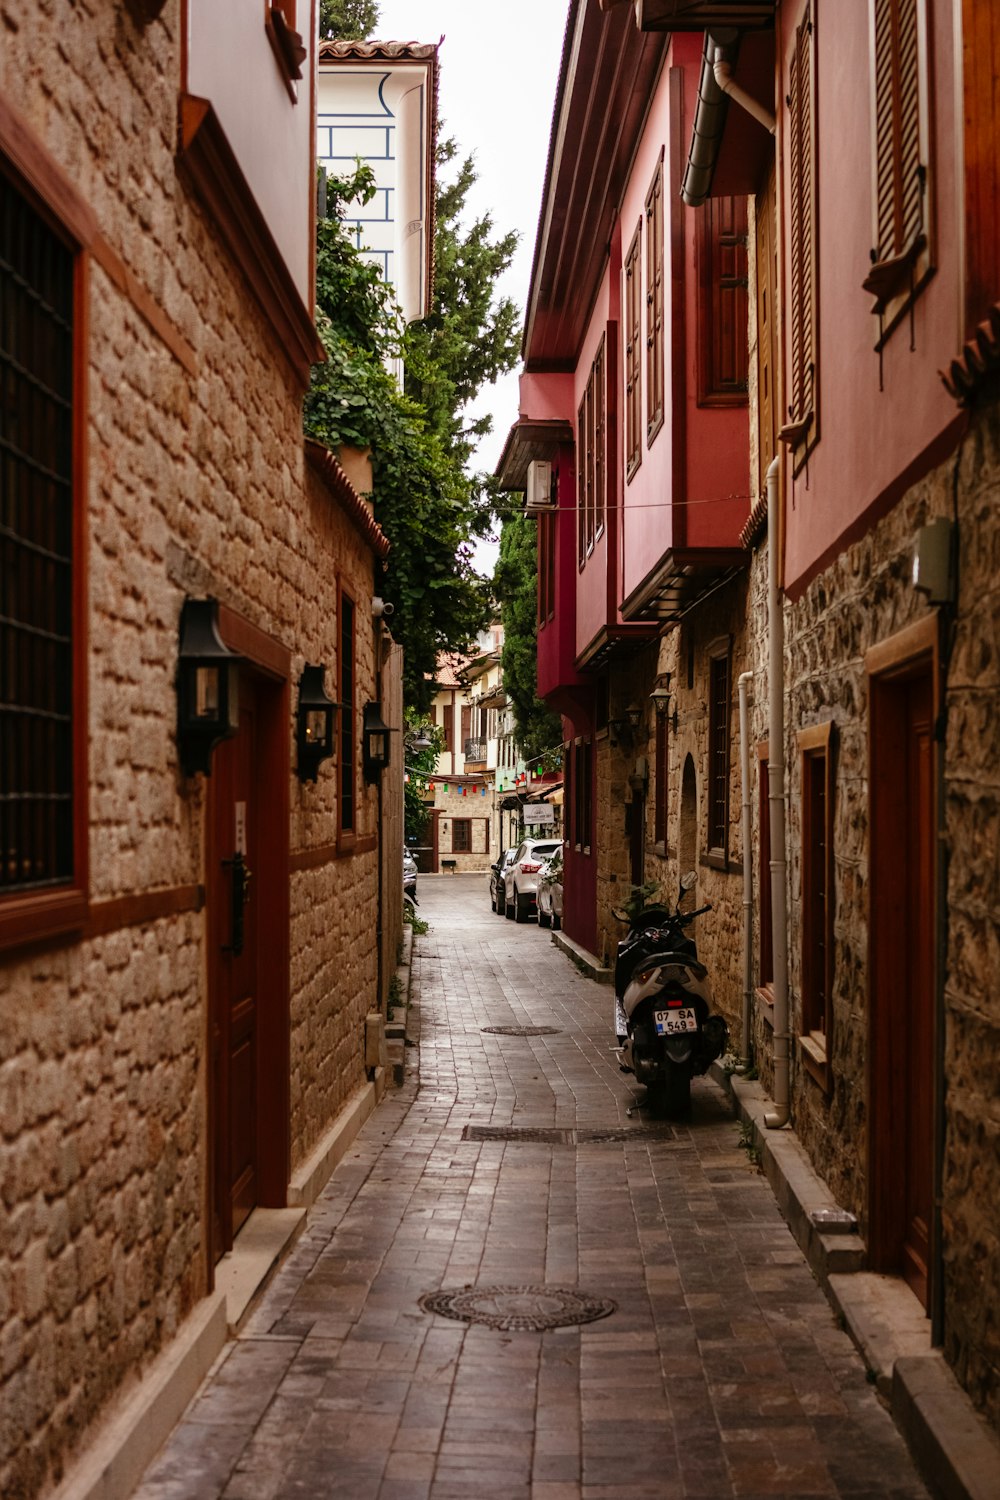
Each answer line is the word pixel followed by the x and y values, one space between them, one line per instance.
pixel 498 71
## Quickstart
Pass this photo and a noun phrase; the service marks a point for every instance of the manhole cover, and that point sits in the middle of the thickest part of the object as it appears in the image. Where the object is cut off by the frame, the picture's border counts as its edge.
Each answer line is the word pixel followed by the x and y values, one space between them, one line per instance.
pixel 548 1137
pixel 521 1030
pixel 518 1309
pixel 626 1133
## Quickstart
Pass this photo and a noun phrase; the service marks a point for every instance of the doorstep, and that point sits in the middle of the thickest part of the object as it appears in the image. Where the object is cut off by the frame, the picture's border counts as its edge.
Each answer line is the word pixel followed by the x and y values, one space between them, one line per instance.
pixel 258 1250
pixel 957 1453
pixel 587 962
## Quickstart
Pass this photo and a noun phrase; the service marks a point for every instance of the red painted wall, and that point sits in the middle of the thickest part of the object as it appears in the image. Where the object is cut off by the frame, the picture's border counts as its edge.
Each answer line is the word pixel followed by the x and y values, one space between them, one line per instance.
pixel 868 436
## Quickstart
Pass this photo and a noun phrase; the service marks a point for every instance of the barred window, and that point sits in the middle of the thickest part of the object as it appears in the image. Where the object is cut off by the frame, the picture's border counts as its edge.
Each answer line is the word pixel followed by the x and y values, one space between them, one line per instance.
pixel 348 758
pixel 36 550
pixel 718 757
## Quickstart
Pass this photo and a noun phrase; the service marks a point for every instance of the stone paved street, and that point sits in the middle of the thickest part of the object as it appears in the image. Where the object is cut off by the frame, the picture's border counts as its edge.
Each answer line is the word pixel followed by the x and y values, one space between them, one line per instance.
pixel 722 1372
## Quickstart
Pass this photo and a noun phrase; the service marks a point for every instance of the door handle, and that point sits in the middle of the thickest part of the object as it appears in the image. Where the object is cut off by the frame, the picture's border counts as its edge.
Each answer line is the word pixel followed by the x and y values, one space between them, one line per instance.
pixel 239 892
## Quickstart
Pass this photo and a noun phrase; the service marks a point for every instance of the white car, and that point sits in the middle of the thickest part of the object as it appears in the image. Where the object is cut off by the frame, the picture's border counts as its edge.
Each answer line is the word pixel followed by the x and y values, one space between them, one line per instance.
pixel 520 878
pixel 550 892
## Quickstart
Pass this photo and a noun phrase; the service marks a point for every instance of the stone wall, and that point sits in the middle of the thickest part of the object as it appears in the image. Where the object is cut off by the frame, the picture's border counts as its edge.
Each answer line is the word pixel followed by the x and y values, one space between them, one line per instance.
pixel 196 484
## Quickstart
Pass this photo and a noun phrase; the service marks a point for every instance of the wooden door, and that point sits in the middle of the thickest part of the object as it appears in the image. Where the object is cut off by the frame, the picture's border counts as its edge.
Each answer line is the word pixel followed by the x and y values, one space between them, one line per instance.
pixel 902 977
pixel 637 838
pixel 234 896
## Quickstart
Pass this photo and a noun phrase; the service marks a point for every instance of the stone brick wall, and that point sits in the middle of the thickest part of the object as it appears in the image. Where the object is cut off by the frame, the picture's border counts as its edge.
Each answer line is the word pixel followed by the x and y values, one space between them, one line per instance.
pixel 972 996
pixel 196 484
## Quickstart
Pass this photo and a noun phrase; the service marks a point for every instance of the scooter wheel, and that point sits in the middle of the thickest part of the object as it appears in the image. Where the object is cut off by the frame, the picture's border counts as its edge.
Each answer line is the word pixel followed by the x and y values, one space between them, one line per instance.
pixel 675 1092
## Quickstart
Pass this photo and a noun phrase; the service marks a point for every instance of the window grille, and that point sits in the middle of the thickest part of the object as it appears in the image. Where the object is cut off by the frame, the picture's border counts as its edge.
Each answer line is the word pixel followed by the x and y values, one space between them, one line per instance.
pixel 36 551
pixel 718 756
pixel 347 727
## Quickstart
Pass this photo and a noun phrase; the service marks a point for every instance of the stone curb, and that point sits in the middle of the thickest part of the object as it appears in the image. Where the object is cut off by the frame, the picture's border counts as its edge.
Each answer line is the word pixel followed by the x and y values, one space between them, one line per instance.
pixel 119 1453
pixel 957 1454
pixel 587 962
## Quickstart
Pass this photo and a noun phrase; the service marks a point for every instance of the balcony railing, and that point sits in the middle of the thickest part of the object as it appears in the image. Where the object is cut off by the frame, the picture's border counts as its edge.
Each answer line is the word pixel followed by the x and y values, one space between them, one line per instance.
pixel 475 749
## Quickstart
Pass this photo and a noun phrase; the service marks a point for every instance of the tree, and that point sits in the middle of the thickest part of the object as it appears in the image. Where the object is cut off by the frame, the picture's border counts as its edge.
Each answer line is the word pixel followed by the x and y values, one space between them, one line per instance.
pixel 515 582
pixel 421 490
pixel 348 20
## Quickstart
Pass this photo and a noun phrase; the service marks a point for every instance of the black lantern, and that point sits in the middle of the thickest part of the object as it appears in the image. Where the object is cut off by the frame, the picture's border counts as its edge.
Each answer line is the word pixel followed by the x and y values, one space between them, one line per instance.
pixel 314 722
pixel 374 742
pixel 208 687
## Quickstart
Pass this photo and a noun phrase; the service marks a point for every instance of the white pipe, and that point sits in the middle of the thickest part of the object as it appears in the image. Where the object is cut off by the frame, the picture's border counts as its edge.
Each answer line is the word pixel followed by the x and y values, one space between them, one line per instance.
pixel 724 78
pixel 777 1117
pixel 744 681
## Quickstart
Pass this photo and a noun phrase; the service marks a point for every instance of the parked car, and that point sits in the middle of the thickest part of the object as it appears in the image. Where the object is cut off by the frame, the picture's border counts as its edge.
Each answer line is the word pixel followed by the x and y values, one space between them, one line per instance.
pixel 497 898
pixel 520 876
pixel 550 892
pixel 409 876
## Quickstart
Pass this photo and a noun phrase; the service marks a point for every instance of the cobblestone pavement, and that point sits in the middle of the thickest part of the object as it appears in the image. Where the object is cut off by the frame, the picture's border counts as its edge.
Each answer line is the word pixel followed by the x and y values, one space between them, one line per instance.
pixel 722 1372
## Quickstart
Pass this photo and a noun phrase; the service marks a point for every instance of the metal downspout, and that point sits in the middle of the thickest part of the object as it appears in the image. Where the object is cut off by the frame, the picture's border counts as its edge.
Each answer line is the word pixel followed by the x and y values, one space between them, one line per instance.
pixel 743 685
pixel 724 78
pixel 779 1116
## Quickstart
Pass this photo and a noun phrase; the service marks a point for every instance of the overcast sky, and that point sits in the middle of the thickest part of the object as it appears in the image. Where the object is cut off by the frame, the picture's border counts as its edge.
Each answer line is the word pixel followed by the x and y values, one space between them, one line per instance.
pixel 499 67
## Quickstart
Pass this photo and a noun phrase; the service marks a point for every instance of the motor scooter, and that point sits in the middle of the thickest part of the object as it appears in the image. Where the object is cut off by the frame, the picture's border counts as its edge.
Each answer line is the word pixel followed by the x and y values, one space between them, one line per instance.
pixel 666 1031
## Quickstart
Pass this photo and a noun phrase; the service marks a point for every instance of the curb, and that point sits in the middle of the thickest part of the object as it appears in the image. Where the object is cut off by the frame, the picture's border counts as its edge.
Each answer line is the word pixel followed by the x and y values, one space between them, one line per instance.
pixel 955 1451
pixel 395 1031
pixel 587 962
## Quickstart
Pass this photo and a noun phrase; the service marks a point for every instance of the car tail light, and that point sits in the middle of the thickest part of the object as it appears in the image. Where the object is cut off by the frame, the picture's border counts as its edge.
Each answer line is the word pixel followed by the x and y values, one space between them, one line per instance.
pixel 527 869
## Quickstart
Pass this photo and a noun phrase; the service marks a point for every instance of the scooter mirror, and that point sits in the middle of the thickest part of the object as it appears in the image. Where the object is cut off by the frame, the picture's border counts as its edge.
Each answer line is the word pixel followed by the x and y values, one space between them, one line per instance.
pixel 689 880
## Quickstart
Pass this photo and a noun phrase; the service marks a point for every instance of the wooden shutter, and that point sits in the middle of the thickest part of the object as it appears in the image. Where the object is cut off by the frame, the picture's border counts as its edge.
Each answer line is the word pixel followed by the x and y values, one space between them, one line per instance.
pixel 591 453
pixel 722 302
pixel 600 441
pixel 581 482
pixel 466 724
pixel 900 254
pixel 654 304
pixel 767 325
pixel 633 366
pixel 898 172
pixel 802 428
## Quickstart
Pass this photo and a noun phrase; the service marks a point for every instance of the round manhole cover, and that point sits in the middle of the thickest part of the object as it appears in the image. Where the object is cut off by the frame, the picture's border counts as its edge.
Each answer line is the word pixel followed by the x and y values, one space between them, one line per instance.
pixel 518 1309
pixel 521 1030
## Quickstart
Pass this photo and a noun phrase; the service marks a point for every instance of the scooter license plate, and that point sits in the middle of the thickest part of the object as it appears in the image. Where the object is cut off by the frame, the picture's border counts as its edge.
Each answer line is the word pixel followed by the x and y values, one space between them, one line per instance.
pixel 669 1022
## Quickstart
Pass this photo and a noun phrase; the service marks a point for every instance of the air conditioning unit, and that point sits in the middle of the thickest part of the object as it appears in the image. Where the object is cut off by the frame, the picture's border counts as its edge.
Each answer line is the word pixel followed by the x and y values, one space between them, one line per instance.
pixel 538 498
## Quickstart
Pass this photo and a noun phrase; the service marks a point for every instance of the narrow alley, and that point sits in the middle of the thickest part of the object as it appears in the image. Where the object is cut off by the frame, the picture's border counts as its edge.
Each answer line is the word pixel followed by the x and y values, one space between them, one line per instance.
pixel 719 1372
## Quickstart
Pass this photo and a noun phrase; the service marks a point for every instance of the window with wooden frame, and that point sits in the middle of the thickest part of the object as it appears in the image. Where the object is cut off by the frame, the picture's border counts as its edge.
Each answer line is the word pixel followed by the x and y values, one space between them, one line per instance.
pixel 723 348
pixel 801 431
pixel 719 714
pixel 901 150
pixel 816 750
pixel 654 304
pixel 43 718
pixel 286 42
pixel 461 835
pixel 582 795
pixel 347 693
pixel 660 771
pixel 591 463
pixel 633 357
pixel 768 364
pixel 546 569
pixel 448 724
pixel 466 724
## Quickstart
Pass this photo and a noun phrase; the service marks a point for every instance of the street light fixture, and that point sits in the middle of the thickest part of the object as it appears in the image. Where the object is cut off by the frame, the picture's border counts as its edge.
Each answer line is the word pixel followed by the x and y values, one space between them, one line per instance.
pixel 315 722
pixel 208 687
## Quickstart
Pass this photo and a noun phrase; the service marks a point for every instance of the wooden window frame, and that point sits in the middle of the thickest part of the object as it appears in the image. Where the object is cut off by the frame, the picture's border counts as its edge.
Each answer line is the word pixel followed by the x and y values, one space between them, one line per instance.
pixel 816 765
pixel 599 398
pixel 349 739
pixel 722 226
pixel 448 727
pixel 582 798
pixel 632 336
pixel 466 825
pixel 902 266
pixel 61 911
pixel 802 430
pixel 655 315
pixel 768 356
pixel 720 654
pixel 546 569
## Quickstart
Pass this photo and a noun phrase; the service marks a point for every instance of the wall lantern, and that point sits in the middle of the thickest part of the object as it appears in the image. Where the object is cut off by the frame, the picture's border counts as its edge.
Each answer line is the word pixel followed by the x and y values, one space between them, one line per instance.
pixel 634 715
pixel 374 742
pixel 208 687
pixel 315 722
pixel 660 699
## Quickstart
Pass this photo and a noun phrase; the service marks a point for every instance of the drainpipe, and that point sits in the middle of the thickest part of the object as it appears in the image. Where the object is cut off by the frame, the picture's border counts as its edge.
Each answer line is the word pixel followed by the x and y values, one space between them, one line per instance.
pixel 743 685
pixel 724 78
pixel 779 1116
